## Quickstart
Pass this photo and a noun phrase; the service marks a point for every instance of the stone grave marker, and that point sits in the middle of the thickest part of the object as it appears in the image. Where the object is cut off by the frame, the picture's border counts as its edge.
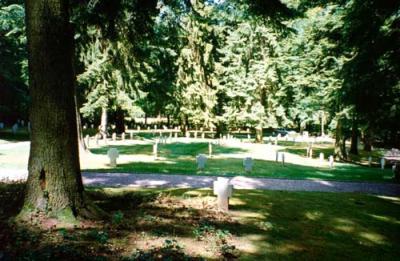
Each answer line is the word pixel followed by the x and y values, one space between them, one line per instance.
pixel 223 190
pixel 195 134
pixel 209 149
pixel 14 128
pixel 176 135
pixel 248 164
pixel 383 163
pixel 114 136
pixel 331 161
pixel 201 160
pixel 283 158
pixel 321 157
pixel 155 150
pixel 123 136
pixel 138 128
pixel 113 154
pixel 311 152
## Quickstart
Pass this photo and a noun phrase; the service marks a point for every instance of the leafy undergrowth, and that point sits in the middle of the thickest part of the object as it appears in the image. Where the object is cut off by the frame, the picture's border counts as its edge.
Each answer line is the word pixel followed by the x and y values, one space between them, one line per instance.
pixel 182 224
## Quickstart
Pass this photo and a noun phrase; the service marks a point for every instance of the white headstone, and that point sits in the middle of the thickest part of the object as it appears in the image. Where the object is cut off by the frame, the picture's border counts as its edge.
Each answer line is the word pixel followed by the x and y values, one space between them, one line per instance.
pixel 223 189
pixel 248 164
pixel 14 128
pixel 138 128
pixel 195 134
pixel 311 153
pixel 331 161
pixel 123 136
pixel 321 157
pixel 209 149
pixel 155 150
pixel 201 160
pixel 283 158
pixel 382 163
pixel 113 154
pixel 114 136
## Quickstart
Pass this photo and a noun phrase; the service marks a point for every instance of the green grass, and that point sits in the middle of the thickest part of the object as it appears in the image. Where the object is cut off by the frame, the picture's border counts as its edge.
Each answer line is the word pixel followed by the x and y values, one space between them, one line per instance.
pixel 21 135
pixel 261 225
pixel 180 159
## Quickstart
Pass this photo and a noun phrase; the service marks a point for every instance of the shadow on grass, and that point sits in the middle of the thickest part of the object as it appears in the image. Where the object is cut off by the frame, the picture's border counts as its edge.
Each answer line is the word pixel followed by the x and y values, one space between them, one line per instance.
pixel 263 225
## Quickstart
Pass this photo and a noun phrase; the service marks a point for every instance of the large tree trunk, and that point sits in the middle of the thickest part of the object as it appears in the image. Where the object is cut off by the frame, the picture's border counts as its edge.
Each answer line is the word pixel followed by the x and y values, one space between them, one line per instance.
pixel 367 140
pixel 259 135
pixel 83 147
pixel 103 122
pixel 340 142
pixel 119 121
pixel 354 138
pixel 54 185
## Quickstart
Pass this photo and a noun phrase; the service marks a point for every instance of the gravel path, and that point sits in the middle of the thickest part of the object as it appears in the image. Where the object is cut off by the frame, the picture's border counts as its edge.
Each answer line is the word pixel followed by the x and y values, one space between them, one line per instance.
pixel 239 182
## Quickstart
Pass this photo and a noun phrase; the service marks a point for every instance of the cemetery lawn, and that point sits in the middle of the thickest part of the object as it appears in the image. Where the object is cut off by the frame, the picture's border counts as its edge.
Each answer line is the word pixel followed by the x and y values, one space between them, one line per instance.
pixel 180 158
pixel 179 223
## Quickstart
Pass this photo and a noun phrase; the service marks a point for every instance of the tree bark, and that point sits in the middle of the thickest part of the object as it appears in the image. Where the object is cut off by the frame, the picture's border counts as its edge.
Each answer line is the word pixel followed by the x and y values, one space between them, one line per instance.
pixel 354 138
pixel 367 140
pixel 103 122
pixel 340 142
pixel 54 185
pixel 259 135
pixel 119 121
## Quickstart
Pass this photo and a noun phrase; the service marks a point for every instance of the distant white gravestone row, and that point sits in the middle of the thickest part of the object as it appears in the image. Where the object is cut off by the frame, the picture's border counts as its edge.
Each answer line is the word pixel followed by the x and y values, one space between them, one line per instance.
pixel 223 190
pixel 113 154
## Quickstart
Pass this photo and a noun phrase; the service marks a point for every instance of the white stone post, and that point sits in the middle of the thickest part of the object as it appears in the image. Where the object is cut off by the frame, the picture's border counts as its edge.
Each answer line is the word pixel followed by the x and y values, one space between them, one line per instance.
pixel 331 161
pixel 113 154
pixel 383 163
pixel 321 157
pixel 224 191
